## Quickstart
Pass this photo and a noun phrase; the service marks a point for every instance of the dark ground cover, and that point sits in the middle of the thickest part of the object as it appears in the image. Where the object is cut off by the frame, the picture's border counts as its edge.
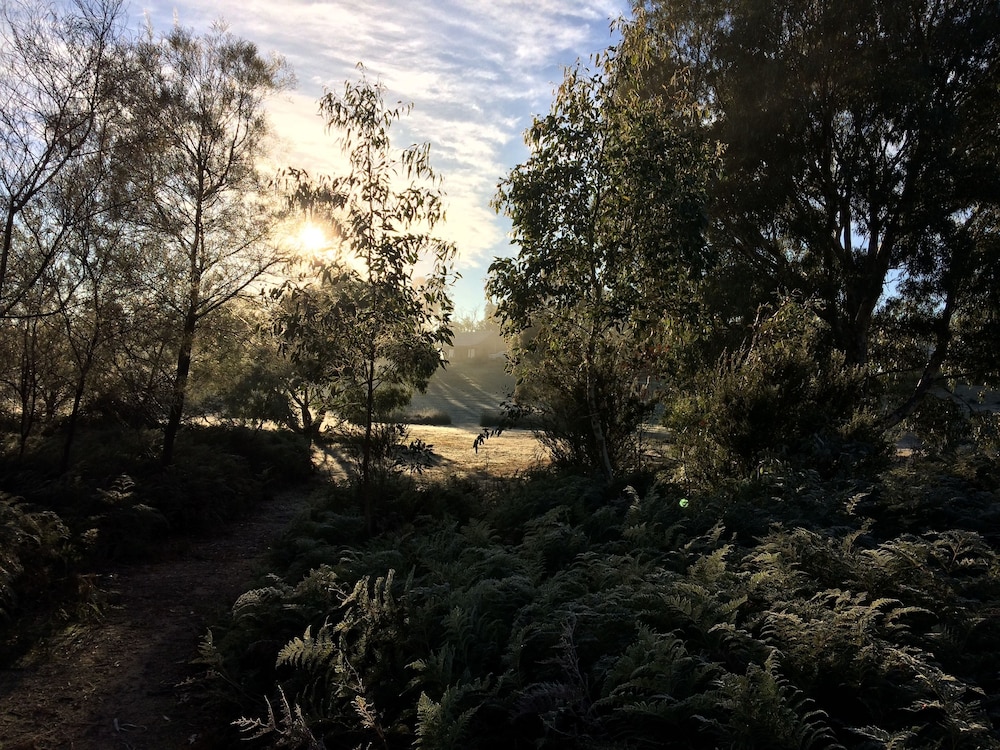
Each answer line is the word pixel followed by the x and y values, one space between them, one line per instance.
pixel 783 611
pixel 62 532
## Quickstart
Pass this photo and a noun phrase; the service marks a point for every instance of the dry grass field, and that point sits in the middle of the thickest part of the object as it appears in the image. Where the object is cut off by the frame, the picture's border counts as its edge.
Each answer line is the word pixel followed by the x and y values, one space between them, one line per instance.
pixel 511 453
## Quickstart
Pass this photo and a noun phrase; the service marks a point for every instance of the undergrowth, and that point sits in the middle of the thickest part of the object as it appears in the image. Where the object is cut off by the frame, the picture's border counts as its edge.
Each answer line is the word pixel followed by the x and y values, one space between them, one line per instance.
pixel 58 532
pixel 786 611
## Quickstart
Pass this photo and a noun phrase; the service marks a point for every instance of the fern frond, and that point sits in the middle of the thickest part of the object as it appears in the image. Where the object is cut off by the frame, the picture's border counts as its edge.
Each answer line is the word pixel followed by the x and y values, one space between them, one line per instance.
pixel 765 710
pixel 251 602
pixel 290 728
pixel 444 724
pixel 310 653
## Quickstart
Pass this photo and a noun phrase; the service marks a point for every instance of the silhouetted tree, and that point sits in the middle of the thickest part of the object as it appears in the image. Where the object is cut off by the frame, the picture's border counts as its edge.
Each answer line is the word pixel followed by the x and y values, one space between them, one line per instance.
pixel 371 328
pixel 860 159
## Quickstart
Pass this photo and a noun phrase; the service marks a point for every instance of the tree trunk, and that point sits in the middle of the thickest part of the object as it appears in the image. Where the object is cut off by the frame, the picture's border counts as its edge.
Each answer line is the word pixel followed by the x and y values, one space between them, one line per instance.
pixel 596 425
pixel 179 391
pixel 367 491
pixel 932 369
pixel 28 389
pixel 309 426
pixel 71 423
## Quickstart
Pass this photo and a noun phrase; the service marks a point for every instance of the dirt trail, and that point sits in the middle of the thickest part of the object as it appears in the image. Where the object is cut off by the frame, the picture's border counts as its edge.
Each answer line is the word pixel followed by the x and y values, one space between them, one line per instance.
pixel 115 683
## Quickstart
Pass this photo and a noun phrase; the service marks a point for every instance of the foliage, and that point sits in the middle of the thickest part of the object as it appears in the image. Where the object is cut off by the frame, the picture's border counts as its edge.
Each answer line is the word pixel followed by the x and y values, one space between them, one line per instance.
pixel 786 395
pixel 116 506
pixel 607 216
pixel 240 375
pixel 133 211
pixel 860 162
pixel 368 329
pixel 389 452
pixel 557 612
pixel 34 547
pixel 435 417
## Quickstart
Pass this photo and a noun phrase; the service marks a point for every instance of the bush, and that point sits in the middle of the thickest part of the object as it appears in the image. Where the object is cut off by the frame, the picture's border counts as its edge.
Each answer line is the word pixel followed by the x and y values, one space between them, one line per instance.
pixel 36 558
pixel 34 547
pixel 434 417
pixel 279 456
pixel 120 503
pixel 786 396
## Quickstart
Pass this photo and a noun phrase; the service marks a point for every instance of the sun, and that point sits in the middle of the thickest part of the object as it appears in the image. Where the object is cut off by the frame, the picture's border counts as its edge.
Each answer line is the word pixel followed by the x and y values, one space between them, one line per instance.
pixel 312 239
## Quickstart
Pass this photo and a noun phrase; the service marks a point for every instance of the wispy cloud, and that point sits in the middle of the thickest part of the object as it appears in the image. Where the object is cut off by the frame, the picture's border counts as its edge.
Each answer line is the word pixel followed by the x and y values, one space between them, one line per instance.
pixel 475 71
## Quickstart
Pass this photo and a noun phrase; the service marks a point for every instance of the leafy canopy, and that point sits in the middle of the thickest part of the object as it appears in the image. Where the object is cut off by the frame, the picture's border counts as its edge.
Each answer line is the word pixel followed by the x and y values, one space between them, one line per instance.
pixel 860 157
pixel 607 218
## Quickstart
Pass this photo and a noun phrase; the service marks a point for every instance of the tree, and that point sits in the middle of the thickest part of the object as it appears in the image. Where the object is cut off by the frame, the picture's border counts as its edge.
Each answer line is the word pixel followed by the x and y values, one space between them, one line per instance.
pixel 57 73
pixel 607 217
pixel 56 66
pixel 209 216
pixel 860 157
pixel 372 325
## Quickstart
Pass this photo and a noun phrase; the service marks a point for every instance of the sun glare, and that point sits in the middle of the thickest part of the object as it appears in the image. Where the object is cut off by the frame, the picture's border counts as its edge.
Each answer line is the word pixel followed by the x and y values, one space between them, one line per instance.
pixel 312 239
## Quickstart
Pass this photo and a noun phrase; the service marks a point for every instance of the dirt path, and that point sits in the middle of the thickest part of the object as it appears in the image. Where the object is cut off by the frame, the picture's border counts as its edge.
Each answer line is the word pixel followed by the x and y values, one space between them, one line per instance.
pixel 115 683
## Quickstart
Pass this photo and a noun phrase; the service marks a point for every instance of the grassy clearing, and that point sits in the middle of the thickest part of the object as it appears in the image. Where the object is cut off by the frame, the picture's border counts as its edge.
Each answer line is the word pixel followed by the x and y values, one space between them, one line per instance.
pixel 512 453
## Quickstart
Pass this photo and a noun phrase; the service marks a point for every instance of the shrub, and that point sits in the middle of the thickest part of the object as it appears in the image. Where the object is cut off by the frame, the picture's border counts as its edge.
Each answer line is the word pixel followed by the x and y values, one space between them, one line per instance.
pixel 434 417
pixel 785 396
pixel 279 456
pixel 36 555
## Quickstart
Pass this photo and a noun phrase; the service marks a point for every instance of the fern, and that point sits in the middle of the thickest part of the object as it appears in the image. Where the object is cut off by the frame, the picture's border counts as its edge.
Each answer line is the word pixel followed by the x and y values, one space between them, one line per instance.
pixel 287 729
pixel 888 739
pixel 438 669
pixel 658 679
pixel 328 684
pixel 565 706
pixel 953 706
pixel 445 724
pixel 252 602
pixel 573 616
pixel 763 710
pixel 34 546
pixel 836 636
pixel 310 653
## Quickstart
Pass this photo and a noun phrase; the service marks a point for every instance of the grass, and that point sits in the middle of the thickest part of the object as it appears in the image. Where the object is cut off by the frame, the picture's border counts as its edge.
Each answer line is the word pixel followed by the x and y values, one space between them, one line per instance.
pixel 512 453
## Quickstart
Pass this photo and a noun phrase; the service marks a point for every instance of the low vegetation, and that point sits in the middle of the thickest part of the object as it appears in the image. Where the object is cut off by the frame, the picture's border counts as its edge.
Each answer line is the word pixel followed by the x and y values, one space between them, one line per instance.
pixel 59 532
pixel 750 225
pixel 782 611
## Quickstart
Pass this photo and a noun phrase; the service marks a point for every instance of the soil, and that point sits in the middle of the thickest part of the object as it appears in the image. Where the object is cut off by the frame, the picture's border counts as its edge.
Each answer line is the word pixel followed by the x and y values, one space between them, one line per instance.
pixel 118 681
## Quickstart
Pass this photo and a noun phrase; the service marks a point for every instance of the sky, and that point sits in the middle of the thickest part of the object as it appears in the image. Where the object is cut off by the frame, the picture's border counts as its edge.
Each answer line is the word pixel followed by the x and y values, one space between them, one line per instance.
pixel 476 71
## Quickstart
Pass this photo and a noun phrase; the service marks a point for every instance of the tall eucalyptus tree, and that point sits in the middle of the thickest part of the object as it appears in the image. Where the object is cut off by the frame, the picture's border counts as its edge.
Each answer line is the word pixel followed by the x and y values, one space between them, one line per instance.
pixel 372 327
pixel 209 216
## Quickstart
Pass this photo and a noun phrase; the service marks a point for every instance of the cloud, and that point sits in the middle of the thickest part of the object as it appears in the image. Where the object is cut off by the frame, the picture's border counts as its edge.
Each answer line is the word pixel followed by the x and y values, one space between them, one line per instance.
pixel 475 71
